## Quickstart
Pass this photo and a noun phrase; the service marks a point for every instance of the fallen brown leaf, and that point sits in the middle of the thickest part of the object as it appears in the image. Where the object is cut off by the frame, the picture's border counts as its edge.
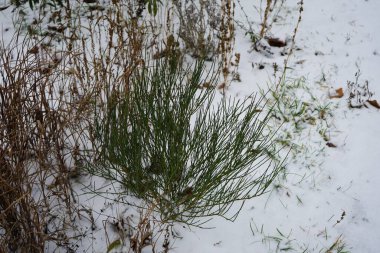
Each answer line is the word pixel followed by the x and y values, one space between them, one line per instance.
pixel 338 93
pixel 374 103
pixel 331 145
pixel 276 42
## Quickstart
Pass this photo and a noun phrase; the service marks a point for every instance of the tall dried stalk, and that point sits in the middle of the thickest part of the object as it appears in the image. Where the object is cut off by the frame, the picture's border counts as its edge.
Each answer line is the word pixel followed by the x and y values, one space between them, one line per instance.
pixel 227 38
pixel 265 21
pixel 293 42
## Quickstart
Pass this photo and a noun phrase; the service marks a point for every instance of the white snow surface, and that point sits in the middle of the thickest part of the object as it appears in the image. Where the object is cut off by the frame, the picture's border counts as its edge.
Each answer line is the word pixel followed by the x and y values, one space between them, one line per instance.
pixel 335 39
pixel 346 36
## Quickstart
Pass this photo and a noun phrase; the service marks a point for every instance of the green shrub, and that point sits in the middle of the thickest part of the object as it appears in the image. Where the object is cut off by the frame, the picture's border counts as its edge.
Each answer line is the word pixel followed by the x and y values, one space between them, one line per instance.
pixel 167 143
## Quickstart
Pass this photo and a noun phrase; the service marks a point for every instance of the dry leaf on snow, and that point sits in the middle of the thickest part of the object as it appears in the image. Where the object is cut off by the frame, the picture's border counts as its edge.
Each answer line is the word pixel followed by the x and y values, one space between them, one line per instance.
pixel 374 103
pixel 331 145
pixel 338 93
pixel 276 42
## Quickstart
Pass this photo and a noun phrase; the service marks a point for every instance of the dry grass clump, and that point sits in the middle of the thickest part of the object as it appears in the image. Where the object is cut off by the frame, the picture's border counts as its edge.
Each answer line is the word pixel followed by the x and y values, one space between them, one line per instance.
pixel 48 85
pixel 36 146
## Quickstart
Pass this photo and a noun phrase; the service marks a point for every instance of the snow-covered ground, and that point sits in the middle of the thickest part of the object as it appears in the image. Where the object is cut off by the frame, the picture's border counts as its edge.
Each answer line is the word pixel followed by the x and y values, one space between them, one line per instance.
pixel 328 196
pixel 335 40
